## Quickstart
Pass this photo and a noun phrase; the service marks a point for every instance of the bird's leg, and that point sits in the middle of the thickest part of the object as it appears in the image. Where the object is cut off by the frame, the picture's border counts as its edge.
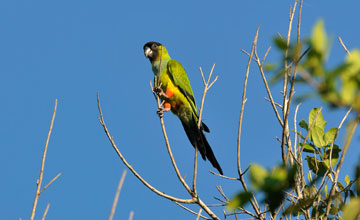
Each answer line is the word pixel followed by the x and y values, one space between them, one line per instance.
pixel 160 111
pixel 160 92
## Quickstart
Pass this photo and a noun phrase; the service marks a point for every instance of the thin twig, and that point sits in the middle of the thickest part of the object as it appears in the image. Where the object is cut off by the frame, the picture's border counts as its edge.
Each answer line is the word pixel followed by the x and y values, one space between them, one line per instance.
pixel 199 214
pixel 131 215
pixel 346 147
pixel 143 181
pixel 195 172
pixel 253 201
pixel 299 22
pixel 295 129
pixel 37 193
pixel 227 177
pixel 267 52
pixel 268 89
pixel 343 45
pixel 121 182
pixel 267 99
pixel 167 143
pixel 335 136
pixel 286 104
pixel 57 176
pixel 46 211
pixel 207 86
pixel 189 210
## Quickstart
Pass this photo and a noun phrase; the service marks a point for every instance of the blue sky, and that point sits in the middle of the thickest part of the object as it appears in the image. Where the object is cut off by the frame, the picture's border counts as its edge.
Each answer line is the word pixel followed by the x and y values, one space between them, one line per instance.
pixel 70 50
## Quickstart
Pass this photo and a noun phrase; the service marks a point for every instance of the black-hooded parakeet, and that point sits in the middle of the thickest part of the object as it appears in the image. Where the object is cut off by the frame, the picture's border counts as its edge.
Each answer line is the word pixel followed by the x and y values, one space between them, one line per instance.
pixel 177 95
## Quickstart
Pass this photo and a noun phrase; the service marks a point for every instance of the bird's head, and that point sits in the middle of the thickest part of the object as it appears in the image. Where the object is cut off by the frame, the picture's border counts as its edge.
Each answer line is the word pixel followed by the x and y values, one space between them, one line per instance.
pixel 154 50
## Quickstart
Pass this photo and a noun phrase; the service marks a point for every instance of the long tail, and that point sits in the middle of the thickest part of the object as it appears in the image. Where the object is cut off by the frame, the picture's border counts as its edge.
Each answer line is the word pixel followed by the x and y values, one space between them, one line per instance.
pixel 198 139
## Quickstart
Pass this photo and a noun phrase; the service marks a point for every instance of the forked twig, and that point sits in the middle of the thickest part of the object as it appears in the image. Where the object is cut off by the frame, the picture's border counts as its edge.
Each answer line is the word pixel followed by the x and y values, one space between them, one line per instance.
pixel 57 176
pixel 167 143
pixel 189 210
pixel 207 86
pixel 349 137
pixel 253 201
pixel 143 181
pixel 38 192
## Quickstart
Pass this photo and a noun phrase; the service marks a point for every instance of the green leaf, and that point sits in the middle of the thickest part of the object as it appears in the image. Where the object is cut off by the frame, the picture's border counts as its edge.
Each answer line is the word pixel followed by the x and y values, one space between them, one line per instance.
pixel 323 167
pixel 309 176
pixel 280 43
pixel 270 66
pixel 350 78
pixel 257 176
pixel 319 38
pixel 352 194
pixel 351 210
pixel 330 135
pixel 296 208
pixel 303 124
pixel 340 185
pixel 347 179
pixel 326 191
pixel 357 177
pixel 239 200
pixel 319 119
pixel 298 133
pixel 348 92
pixel 280 173
pixel 309 148
pixel 334 210
pixel 334 156
pixel 320 211
pixel 317 136
pixel 311 164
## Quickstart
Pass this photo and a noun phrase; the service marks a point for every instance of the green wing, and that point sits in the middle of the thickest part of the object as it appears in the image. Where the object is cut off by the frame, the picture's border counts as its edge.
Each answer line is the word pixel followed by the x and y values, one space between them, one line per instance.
pixel 178 75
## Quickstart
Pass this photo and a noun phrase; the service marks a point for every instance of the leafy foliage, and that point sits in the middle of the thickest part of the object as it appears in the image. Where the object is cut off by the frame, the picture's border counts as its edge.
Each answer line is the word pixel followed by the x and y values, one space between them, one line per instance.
pixel 322 195
pixel 272 183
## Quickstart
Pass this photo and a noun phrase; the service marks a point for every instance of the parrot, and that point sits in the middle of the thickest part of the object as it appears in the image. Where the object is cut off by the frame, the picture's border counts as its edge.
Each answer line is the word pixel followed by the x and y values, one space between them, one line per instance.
pixel 175 91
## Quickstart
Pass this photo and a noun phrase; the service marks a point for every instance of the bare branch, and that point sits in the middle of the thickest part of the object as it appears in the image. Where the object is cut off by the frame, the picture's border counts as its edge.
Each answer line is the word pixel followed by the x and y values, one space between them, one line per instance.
pixel 253 201
pixel 189 210
pixel 102 122
pixel 37 193
pixel 336 134
pixel 121 182
pixel 46 211
pixel 268 89
pixel 57 176
pixel 299 22
pixel 206 89
pixel 343 45
pixel 263 59
pixel 131 215
pixel 199 214
pixel 346 147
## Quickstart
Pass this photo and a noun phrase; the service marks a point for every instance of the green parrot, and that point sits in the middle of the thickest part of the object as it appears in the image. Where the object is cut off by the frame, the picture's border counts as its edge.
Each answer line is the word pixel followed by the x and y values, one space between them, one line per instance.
pixel 175 91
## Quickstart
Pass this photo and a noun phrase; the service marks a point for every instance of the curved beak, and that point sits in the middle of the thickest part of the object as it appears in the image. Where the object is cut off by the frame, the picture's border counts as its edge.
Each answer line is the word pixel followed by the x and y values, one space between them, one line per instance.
pixel 148 52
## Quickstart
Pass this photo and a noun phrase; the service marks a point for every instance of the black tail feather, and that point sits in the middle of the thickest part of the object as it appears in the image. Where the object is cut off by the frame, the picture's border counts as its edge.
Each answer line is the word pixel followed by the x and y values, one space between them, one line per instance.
pixel 198 139
pixel 210 154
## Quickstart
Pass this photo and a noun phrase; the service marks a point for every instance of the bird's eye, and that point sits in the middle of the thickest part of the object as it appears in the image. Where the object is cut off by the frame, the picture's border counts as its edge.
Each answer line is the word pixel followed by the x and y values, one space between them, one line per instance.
pixel 154 46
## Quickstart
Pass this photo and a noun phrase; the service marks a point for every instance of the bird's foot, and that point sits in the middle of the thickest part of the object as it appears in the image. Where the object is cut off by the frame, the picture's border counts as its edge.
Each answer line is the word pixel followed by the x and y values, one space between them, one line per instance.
pixel 160 111
pixel 160 92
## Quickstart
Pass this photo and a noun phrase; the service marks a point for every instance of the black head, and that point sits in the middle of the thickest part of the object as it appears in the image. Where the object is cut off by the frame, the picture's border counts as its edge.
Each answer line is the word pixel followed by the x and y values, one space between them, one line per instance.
pixel 151 50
